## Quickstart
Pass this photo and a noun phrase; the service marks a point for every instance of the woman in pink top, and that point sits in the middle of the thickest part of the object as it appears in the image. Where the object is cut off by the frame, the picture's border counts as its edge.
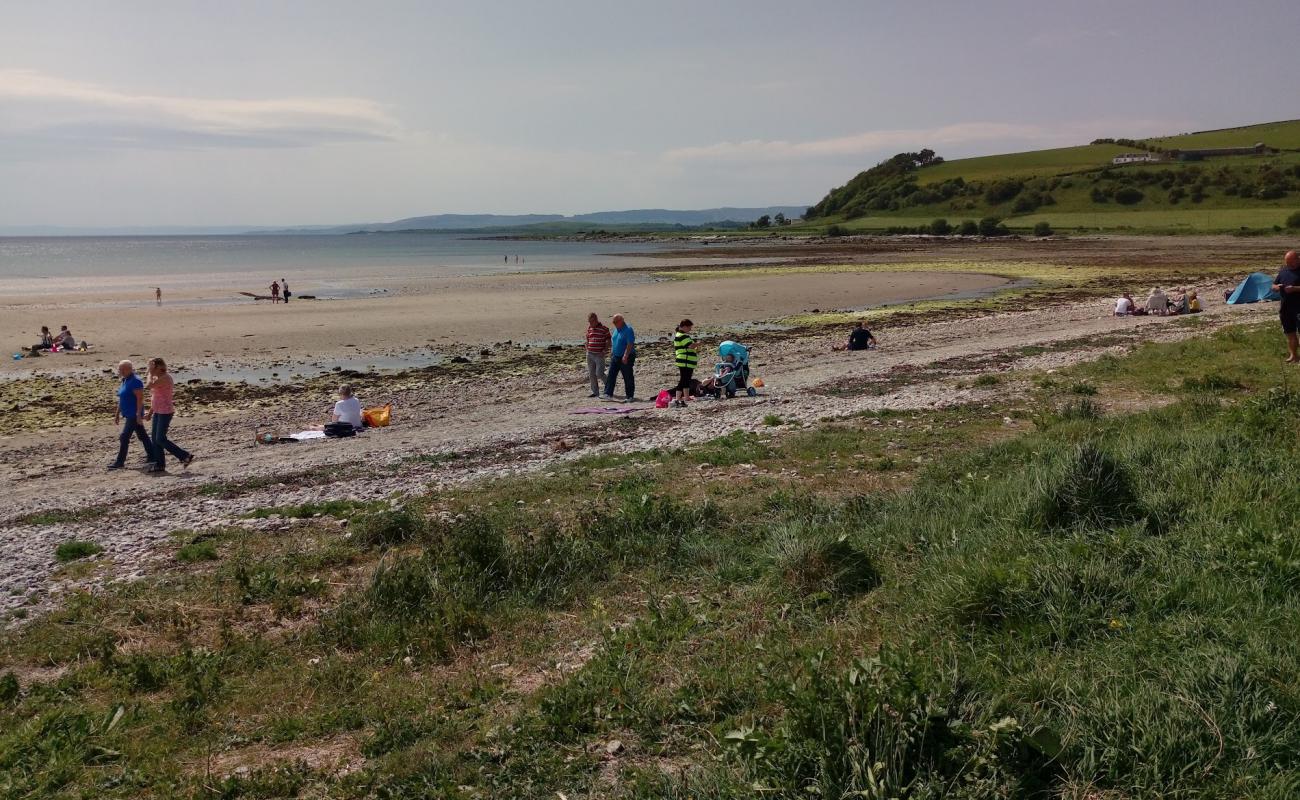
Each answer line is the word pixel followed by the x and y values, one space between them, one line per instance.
pixel 161 408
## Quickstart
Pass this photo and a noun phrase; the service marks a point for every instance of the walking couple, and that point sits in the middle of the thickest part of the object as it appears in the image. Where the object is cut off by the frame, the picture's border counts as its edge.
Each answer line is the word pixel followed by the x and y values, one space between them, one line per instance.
pixel 131 412
pixel 619 346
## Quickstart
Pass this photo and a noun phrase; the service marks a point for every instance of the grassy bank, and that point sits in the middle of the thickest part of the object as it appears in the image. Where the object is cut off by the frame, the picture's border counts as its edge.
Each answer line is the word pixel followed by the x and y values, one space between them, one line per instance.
pixel 1036 596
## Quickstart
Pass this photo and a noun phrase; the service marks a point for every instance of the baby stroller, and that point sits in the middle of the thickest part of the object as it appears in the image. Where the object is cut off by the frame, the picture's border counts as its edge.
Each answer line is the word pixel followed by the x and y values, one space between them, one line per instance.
pixel 731 375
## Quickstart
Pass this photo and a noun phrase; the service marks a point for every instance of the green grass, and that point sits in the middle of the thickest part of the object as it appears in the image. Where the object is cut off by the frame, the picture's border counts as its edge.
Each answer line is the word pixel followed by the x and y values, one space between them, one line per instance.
pixel 1023 165
pixel 75 549
pixel 204 550
pixel 901 604
pixel 340 509
pixel 1186 219
pixel 1284 135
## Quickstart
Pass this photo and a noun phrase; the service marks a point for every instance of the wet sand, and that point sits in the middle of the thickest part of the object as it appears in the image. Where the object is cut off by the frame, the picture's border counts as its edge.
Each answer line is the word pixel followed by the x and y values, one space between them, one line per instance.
pixel 435 314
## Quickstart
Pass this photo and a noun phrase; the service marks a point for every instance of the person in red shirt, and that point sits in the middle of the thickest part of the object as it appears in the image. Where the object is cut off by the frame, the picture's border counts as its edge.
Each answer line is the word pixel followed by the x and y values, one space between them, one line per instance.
pixel 597 351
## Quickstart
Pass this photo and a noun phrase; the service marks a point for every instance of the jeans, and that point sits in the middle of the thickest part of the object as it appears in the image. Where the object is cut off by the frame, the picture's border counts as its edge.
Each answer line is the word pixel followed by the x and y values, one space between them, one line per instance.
pixel 595 370
pixel 616 368
pixel 161 444
pixel 133 427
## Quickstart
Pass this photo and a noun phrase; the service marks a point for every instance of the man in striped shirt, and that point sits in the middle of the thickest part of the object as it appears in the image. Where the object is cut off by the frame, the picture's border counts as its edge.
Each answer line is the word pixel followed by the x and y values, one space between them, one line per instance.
pixel 597 351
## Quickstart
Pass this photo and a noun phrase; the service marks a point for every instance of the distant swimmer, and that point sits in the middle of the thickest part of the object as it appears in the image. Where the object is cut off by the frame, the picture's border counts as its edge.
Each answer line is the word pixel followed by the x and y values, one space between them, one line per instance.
pixel 157 294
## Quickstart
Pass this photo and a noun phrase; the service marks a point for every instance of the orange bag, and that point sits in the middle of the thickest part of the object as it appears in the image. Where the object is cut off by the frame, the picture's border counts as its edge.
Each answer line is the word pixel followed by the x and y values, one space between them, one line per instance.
pixel 378 417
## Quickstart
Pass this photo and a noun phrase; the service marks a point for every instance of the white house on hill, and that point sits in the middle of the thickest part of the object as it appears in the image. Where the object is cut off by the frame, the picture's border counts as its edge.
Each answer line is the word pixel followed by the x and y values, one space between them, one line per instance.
pixel 1134 158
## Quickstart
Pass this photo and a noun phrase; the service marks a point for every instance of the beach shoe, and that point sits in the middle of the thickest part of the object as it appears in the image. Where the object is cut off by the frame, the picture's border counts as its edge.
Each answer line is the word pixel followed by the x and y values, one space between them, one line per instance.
pixel 155 469
pixel 593 394
pixel 115 466
pixel 185 462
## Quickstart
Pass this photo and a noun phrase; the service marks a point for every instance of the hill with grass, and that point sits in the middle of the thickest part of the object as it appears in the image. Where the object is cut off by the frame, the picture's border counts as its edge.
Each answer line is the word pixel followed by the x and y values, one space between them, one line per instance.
pixel 1081 189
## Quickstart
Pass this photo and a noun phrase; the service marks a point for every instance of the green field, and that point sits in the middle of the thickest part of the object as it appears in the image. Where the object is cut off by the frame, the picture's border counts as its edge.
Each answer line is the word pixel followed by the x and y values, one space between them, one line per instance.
pixel 1284 135
pixel 1023 165
pixel 1171 220
pixel 1075 188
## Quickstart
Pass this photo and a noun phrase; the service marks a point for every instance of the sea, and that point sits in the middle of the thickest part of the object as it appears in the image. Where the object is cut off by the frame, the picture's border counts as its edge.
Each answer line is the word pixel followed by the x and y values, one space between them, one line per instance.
pixel 28 261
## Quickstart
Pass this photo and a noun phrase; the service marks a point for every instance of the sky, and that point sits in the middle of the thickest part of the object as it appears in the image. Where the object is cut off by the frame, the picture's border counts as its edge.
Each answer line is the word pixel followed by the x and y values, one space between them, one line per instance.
pixel 175 112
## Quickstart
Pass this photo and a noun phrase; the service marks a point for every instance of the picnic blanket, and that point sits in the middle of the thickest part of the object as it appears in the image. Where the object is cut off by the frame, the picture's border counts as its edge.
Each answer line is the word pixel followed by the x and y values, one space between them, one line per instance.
pixel 607 410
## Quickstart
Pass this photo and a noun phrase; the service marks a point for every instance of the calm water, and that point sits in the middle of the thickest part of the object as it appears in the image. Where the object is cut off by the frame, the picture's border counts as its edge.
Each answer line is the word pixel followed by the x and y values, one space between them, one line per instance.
pixel 323 256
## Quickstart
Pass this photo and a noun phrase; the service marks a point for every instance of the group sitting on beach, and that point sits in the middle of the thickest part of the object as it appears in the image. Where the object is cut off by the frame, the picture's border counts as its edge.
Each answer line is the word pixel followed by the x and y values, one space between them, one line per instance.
pixel 1159 304
pixel 60 342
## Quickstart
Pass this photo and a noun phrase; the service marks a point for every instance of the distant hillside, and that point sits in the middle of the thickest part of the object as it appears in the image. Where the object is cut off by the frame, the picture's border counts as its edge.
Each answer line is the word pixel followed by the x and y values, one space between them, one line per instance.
pixel 646 216
pixel 1080 188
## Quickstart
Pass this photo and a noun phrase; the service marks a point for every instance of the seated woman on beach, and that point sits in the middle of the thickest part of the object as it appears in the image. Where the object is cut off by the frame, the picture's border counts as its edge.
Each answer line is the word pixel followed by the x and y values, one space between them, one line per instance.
pixel 47 340
pixel 1181 306
pixel 348 408
pixel 1193 304
pixel 1125 306
pixel 1157 303
pixel 63 340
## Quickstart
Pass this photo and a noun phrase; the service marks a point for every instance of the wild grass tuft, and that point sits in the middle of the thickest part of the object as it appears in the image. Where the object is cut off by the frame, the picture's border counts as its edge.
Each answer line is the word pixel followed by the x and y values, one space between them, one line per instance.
pixel 76 548
pixel 1092 491
pixel 814 561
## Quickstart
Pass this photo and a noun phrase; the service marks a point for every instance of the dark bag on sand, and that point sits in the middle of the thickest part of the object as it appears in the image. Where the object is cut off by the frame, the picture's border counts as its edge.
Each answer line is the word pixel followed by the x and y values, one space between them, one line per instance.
pixel 340 429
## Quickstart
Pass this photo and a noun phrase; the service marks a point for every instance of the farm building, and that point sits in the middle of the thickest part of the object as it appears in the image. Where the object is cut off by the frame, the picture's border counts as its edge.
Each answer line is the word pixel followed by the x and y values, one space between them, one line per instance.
pixel 1208 152
pixel 1134 158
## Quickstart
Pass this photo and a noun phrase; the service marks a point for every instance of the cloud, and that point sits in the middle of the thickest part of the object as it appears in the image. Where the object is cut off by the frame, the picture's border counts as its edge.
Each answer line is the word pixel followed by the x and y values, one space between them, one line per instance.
pixel 964 133
pixel 42 112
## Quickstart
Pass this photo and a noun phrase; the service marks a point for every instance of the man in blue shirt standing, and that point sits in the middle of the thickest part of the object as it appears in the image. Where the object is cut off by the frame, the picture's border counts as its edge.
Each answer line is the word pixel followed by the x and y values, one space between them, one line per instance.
pixel 622 359
pixel 130 409
pixel 1287 284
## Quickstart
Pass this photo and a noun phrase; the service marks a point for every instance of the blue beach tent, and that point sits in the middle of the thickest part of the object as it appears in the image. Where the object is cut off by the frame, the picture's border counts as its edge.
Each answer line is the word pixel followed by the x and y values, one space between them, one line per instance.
pixel 1256 286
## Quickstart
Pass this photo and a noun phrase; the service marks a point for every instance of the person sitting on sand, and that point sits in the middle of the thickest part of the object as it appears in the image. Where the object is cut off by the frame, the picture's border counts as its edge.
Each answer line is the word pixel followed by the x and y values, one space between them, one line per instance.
pixel 63 339
pixel 859 339
pixel 1181 306
pixel 1193 304
pixel 47 340
pixel 1125 306
pixel 1157 302
pixel 348 408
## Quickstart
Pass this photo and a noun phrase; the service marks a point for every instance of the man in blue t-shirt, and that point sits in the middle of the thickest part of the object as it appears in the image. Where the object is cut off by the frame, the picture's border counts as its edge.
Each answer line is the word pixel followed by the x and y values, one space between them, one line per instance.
pixel 622 358
pixel 130 409
pixel 1287 284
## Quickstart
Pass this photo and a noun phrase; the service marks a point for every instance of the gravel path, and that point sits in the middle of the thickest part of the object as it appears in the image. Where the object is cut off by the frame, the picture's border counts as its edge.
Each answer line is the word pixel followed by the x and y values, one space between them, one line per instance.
pixel 494 427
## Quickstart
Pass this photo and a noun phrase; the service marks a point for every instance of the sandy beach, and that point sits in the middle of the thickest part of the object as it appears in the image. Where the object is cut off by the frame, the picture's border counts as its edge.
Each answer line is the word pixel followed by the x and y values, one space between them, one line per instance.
pixel 510 408
pixel 441 315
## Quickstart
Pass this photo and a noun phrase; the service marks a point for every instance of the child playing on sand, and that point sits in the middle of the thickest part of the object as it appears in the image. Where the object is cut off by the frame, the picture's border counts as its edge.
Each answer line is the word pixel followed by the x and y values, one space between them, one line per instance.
pixel 161 410
pixel 686 358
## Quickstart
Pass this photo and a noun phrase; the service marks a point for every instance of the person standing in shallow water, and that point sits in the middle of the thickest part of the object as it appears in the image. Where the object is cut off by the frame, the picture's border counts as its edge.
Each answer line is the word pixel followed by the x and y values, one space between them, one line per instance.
pixel 161 410
pixel 275 292
pixel 1287 284
pixel 130 412
pixel 157 294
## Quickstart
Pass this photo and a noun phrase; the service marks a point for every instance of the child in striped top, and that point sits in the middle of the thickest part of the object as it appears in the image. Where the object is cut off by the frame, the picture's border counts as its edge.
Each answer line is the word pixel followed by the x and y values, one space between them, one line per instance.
pixel 686 358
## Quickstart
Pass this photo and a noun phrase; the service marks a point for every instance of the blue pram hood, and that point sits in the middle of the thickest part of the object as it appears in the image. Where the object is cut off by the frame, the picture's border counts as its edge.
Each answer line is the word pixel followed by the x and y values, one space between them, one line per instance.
pixel 734 349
